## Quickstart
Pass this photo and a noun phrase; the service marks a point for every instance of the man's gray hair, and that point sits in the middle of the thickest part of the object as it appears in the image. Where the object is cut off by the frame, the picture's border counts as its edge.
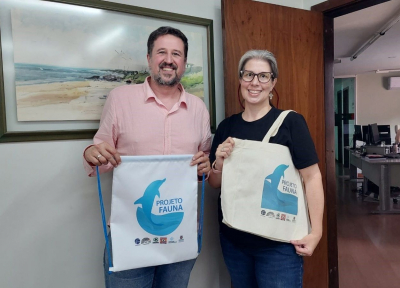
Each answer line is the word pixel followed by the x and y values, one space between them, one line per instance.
pixel 261 55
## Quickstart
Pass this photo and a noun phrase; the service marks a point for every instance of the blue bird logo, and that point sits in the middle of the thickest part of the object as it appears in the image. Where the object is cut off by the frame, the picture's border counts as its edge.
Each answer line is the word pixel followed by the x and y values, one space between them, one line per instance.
pixel 274 199
pixel 159 225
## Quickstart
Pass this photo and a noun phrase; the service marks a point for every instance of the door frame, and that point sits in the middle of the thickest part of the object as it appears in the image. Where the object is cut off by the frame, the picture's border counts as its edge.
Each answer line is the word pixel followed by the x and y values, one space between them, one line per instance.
pixel 330 10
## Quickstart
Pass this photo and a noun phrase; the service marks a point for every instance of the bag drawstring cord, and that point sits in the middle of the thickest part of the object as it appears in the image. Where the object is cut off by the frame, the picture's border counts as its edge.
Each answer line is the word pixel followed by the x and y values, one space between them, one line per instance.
pixel 103 218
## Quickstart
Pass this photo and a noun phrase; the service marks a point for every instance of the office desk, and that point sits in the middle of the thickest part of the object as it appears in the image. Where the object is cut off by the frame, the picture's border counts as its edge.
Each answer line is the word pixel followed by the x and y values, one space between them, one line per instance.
pixel 384 173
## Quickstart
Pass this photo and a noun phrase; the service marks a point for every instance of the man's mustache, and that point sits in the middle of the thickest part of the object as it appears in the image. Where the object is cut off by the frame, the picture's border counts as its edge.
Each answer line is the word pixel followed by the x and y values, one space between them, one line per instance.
pixel 166 65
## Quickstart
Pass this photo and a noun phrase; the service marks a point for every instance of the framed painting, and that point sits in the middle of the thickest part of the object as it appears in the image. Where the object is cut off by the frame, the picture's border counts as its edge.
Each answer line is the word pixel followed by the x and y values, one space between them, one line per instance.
pixel 60 59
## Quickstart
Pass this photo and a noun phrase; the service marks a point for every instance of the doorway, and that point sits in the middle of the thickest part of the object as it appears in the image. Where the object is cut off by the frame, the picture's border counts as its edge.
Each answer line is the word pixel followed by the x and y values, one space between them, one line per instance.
pixel 349 274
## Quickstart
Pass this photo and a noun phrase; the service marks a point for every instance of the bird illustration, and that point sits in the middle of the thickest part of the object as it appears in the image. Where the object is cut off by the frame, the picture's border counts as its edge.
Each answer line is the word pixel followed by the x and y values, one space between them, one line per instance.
pixel 159 225
pixel 274 199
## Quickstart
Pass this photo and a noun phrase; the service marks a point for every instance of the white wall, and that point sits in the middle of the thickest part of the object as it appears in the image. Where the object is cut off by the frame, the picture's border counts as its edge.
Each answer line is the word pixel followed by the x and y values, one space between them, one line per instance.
pixel 302 4
pixel 288 3
pixel 51 234
pixel 375 104
pixel 308 3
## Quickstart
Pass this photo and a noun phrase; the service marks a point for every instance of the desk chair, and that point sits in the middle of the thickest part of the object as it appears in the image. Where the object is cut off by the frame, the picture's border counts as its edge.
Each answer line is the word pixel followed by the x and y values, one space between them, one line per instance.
pixel 373 188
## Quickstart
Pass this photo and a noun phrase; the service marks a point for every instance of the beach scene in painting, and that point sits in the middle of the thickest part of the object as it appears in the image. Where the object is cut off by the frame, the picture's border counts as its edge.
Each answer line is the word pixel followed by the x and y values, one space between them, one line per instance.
pixel 66 62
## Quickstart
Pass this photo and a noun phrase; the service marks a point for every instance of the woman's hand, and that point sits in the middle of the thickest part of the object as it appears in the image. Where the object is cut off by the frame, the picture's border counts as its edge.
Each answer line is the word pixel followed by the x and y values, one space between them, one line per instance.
pixel 203 163
pixel 307 245
pixel 102 154
pixel 224 150
pixel 315 197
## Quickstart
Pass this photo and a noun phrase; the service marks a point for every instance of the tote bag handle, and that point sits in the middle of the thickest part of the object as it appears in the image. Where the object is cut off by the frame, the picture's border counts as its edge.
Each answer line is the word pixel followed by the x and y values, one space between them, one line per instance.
pixel 276 125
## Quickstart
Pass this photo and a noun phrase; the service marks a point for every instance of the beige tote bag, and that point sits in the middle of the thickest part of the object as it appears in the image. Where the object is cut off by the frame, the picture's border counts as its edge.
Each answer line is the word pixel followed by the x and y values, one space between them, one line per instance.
pixel 262 192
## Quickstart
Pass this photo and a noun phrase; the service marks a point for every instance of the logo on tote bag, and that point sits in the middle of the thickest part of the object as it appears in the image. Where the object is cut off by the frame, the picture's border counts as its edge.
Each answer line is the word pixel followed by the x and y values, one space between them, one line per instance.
pixel 273 198
pixel 162 224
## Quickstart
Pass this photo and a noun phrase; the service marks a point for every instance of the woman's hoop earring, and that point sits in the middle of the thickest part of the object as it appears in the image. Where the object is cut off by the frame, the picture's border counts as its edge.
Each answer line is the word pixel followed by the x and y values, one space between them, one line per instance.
pixel 270 95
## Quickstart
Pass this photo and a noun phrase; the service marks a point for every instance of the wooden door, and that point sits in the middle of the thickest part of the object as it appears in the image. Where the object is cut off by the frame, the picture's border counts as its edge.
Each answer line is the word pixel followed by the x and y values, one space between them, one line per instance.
pixel 296 38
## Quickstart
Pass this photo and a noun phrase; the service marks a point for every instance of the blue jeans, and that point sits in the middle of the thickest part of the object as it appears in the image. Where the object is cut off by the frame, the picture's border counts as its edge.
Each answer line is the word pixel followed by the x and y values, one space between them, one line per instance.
pixel 276 266
pixel 170 275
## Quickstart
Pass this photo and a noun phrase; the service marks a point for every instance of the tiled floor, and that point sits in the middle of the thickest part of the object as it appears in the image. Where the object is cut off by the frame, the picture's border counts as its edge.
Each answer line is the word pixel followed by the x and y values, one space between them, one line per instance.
pixel 369 245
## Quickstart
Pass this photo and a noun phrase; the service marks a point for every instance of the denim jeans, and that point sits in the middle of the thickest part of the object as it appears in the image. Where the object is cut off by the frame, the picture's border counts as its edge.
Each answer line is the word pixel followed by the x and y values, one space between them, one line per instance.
pixel 174 275
pixel 275 266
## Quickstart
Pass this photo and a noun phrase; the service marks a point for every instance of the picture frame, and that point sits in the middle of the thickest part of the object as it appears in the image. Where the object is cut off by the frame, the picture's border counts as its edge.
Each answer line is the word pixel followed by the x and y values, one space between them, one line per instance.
pixel 13 130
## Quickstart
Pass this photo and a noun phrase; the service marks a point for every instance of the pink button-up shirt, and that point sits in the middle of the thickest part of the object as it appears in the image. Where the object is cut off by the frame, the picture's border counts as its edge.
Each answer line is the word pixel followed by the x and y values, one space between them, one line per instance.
pixel 136 122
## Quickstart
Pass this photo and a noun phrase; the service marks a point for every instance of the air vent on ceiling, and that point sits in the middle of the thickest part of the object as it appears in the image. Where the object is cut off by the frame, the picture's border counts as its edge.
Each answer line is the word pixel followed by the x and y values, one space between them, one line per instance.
pixel 393 83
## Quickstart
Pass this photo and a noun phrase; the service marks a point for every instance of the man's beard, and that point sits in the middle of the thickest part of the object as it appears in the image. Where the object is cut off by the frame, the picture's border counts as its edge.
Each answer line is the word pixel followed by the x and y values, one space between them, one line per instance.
pixel 170 82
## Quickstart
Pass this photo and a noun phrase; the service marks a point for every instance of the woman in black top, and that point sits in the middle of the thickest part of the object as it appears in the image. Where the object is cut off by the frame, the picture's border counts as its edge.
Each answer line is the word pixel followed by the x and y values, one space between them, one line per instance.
pixel 254 261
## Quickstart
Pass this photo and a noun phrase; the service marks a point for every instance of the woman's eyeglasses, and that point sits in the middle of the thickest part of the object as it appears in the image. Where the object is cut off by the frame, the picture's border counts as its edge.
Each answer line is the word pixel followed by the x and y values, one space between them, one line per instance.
pixel 263 77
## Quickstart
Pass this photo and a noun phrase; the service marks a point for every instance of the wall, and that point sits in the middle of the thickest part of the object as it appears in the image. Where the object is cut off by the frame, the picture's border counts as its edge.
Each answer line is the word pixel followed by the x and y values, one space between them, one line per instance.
pixel 51 234
pixel 288 3
pixel 308 3
pixel 302 4
pixel 375 104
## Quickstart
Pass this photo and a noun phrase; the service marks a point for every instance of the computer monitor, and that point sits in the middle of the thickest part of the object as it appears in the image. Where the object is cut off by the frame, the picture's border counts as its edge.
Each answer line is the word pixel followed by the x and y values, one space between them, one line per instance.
pixel 384 133
pixel 365 134
pixel 357 136
pixel 374 134
pixel 357 133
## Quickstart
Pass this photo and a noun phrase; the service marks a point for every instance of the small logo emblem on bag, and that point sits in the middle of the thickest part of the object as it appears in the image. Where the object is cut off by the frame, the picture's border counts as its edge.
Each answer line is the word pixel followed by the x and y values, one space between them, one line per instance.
pixel 146 241
pixel 263 212
pixel 271 214
pixel 163 240
pixel 155 240
pixel 137 241
pixel 283 217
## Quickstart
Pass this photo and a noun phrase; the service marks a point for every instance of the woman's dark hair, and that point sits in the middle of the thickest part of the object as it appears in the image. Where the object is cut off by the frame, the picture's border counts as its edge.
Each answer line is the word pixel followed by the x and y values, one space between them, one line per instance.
pixel 166 30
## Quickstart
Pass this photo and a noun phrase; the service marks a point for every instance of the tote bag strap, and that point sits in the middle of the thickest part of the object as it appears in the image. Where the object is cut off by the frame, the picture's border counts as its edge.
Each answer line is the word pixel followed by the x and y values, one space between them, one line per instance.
pixel 276 125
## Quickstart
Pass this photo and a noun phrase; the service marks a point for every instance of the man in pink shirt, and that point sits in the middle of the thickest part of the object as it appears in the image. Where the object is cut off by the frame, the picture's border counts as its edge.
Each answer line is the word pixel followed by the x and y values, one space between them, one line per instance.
pixel 154 118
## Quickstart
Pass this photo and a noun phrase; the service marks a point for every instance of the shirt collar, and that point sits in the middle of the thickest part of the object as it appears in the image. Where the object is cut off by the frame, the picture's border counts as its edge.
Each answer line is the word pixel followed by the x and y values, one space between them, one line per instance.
pixel 149 93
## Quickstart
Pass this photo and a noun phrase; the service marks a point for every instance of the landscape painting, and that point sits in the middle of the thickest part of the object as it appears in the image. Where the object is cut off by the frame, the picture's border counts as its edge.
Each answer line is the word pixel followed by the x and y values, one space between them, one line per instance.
pixel 67 61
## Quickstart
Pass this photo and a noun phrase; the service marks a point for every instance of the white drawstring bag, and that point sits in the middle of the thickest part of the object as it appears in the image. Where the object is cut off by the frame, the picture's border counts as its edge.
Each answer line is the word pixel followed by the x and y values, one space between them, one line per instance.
pixel 262 192
pixel 153 211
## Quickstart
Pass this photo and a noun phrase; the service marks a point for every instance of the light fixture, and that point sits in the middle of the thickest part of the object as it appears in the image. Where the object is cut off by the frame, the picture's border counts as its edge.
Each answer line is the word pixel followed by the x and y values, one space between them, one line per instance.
pixel 345 76
pixel 387 71
pixel 377 35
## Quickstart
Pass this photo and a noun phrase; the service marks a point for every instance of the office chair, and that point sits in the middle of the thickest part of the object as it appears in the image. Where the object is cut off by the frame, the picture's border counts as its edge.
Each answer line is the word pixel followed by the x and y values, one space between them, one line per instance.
pixel 397 131
pixel 373 188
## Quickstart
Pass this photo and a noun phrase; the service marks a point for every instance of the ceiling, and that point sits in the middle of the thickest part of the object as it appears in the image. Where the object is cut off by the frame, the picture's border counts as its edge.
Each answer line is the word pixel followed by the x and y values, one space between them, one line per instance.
pixel 351 31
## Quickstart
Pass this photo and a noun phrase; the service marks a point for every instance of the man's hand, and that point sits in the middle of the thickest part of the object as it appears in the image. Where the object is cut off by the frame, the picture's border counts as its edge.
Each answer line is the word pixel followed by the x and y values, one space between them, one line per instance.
pixel 102 154
pixel 202 162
